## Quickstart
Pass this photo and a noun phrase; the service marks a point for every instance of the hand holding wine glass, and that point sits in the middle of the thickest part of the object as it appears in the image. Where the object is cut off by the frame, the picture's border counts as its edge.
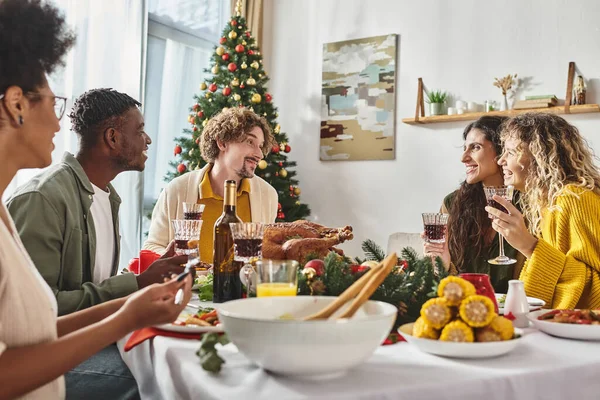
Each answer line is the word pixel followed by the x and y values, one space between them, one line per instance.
pixel 492 193
pixel 512 226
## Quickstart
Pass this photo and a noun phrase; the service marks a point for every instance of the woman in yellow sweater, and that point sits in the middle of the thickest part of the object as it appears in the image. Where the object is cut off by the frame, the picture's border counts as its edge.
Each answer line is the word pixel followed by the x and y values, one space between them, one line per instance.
pixel 550 163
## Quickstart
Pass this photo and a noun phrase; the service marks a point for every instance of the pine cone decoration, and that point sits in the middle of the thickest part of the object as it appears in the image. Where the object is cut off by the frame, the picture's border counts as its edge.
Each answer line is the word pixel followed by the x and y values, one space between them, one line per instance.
pixel 318 288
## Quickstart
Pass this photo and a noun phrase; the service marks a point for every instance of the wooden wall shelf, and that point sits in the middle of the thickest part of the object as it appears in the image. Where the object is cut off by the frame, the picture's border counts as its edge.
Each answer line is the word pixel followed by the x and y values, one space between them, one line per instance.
pixel 420 117
pixel 582 109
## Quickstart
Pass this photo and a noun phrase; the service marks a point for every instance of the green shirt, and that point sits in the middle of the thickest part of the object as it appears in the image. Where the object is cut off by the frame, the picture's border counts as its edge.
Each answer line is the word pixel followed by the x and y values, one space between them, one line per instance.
pixel 52 215
pixel 499 274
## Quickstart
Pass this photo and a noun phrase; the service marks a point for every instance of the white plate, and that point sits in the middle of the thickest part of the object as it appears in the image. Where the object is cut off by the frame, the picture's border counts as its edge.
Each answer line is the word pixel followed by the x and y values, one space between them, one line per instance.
pixel 459 350
pixel 534 303
pixel 189 328
pixel 569 331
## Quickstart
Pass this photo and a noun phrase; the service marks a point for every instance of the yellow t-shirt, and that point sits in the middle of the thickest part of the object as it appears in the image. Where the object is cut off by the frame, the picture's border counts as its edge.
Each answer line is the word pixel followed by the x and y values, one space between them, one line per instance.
pixel 213 208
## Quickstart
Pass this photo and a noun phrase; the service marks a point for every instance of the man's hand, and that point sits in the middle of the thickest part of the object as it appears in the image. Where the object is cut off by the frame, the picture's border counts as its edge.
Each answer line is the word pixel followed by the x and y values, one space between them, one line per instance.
pixel 165 266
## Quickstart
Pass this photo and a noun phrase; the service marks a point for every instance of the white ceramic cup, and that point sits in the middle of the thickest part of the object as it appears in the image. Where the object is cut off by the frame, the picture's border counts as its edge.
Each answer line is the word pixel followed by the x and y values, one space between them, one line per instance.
pixel 451 110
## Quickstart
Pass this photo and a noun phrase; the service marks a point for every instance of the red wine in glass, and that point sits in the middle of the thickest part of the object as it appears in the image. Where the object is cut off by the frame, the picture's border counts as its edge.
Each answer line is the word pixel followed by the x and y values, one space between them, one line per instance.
pixel 493 203
pixel 181 244
pixel 248 248
pixel 435 233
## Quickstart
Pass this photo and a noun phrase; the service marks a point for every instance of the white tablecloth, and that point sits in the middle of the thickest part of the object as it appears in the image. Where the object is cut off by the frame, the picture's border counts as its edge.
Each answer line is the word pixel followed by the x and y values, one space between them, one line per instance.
pixel 542 367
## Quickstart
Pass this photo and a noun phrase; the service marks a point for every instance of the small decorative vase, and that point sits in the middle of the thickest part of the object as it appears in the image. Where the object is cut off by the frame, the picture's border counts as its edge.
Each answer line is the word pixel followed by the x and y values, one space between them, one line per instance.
pixel 504 104
pixel 515 305
pixel 483 286
pixel 435 108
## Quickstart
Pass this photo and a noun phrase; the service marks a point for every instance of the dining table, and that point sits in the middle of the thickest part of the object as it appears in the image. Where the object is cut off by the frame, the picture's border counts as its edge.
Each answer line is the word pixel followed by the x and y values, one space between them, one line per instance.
pixel 540 367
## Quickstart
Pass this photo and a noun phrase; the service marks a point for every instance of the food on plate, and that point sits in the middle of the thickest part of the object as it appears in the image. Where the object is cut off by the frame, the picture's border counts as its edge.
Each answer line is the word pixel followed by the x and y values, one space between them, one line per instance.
pixel 422 329
pixel 436 312
pixel 206 316
pixel 455 290
pixel 579 317
pixel 477 311
pixel 501 300
pixel 499 329
pixel 204 284
pixel 457 331
pixel 472 319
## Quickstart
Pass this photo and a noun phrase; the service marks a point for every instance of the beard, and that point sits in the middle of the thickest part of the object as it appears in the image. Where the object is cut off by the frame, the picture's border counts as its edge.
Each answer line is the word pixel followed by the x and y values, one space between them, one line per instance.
pixel 245 172
pixel 129 161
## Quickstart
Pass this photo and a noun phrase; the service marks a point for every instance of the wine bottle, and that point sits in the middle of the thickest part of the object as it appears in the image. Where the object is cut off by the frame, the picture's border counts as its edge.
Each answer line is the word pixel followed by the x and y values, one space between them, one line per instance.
pixel 226 280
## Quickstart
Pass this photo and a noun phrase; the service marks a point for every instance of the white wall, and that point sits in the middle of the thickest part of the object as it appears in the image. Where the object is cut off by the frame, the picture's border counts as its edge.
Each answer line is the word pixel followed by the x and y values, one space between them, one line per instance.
pixel 458 46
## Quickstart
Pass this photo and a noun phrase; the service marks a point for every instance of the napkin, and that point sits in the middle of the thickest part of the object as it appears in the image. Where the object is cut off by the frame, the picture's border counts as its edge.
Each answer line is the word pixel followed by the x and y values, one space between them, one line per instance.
pixel 144 334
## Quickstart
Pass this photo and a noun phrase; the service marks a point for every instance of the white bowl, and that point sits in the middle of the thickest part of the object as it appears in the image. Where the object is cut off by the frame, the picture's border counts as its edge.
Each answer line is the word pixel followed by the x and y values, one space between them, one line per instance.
pixel 308 349
pixel 459 350
pixel 569 331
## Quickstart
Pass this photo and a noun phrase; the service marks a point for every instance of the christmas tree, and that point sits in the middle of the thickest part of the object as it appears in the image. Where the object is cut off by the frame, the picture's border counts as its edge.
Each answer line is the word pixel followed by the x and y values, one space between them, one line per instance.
pixel 238 80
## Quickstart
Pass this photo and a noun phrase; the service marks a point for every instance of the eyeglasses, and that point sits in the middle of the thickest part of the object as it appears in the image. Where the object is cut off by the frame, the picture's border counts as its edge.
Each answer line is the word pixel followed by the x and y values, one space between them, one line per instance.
pixel 60 103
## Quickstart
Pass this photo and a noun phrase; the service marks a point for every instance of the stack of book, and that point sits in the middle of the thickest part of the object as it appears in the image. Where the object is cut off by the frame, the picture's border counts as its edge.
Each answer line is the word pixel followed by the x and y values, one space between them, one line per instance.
pixel 544 101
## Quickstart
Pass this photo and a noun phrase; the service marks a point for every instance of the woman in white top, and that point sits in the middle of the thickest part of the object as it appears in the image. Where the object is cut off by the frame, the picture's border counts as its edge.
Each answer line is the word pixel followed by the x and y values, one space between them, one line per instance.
pixel 36 347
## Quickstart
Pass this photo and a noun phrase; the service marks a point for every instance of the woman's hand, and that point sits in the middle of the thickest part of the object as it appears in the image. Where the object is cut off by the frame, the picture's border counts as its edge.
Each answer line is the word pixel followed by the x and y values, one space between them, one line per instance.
pixel 512 227
pixel 155 304
pixel 434 250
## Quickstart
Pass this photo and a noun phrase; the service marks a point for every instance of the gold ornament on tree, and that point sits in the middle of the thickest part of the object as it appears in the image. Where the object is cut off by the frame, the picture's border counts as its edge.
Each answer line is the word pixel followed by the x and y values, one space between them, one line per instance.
pixel 203 86
pixel 251 82
pixel 207 95
pixel 204 122
pixel 237 97
pixel 215 69
pixel 297 191
pixel 243 43
pixel 254 65
pixel 277 129
pixel 235 82
pixel 255 98
pixel 262 164
pixel 283 173
pixel 220 51
pixel 244 65
pixel 309 273
pixel 232 35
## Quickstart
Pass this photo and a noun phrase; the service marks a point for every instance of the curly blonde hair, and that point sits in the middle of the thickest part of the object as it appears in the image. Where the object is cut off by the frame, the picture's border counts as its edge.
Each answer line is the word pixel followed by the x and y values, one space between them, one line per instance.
pixel 559 156
pixel 232 125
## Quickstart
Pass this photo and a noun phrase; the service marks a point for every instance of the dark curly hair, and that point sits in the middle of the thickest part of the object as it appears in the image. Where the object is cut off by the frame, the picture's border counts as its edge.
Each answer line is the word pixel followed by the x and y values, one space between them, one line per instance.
pixel 468 219
pixel 33 40
pixel 99 109
pixel 232 125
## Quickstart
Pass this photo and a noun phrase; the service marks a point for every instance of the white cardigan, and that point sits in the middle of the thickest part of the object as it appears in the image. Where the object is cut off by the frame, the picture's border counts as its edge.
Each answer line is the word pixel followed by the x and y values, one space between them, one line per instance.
pixel 186 189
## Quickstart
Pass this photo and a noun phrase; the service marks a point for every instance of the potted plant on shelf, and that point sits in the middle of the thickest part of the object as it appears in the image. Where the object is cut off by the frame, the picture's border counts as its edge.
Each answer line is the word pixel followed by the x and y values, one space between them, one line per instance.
pixel 505 84
pixel 436 100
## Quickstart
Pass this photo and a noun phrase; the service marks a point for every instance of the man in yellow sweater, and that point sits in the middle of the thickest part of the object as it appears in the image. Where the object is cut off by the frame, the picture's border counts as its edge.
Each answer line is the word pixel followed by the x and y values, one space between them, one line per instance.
pixel 548 161
pixel 232 143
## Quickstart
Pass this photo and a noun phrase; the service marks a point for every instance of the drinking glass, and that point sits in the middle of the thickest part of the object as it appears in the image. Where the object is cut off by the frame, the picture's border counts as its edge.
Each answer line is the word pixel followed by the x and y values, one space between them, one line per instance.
pixel 184 231
pixel 247 242
pixel 192 210
pixel 435 227
pixel 507 193
pixel 277 278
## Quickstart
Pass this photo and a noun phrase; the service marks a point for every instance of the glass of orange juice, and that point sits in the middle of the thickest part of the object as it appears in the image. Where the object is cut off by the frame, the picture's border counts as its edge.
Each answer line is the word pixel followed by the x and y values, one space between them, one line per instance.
pixel 277 278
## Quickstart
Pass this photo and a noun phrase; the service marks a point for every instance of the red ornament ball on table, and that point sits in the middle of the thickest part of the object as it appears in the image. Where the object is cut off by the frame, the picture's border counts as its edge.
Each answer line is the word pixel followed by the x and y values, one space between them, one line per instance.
pixel 177 150
pixel 232 67
pixel 181 168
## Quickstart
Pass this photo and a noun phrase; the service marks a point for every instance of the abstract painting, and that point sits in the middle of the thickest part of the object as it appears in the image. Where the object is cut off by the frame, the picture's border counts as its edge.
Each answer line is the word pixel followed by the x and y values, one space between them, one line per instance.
pixel 357 99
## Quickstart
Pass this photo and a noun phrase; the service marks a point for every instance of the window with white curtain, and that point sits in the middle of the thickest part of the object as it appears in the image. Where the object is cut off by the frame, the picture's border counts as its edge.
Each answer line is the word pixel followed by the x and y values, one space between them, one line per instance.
pixel 181 37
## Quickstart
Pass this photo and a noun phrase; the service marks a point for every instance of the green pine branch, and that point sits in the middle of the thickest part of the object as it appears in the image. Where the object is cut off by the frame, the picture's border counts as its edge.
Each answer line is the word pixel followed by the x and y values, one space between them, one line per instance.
pixel 373 251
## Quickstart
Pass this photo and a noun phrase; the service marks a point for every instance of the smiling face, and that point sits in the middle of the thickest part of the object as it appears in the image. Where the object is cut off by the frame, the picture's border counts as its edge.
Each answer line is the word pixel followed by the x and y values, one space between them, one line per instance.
pixel 479 157
pixel 133 150
pixel 515 162
pixel 243 157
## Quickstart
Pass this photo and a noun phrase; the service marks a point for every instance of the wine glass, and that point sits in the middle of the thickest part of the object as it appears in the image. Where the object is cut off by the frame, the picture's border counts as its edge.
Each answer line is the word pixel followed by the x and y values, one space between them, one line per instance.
pixel 507 193
pixel 247 242
pixel 434 225
pixel 192 211
pixel 185 230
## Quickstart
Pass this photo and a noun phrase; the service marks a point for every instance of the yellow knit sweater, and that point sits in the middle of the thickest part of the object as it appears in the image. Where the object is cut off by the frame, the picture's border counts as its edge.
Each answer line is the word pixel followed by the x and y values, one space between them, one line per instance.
pixel 564 269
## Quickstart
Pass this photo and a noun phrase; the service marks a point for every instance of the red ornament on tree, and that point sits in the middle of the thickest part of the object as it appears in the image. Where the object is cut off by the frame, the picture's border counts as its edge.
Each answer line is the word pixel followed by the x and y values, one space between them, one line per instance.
pixel 226 91
pixel 232 67
pixel 177 150
pixel 239 48
pixel 233 22
pixel 250 52
pixel 278 206
pixel 225 56
pixel 280 164
pixel 197 140
pixel 195 128
pixel 287 148
pixel 181 168
pixel 222 40
pixel 247 34
pixel 242 86
pixel 212 87
pixel 195 107
pixel 268 97
pixel 200 114
pixel 275 149
pixel 280 215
